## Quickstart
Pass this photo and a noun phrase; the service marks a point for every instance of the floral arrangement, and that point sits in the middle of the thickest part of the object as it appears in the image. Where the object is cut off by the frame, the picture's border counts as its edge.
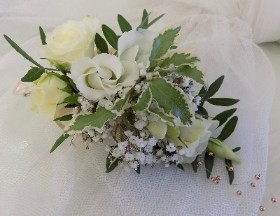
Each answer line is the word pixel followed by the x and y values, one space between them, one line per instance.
pixel 134 89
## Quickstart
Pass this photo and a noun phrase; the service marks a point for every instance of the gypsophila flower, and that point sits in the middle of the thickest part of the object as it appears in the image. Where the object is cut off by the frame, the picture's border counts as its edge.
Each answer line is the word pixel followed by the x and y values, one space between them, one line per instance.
pixel 148 149
pixel 140 156
pixel 134 165
pixel 122 145
pixel 128 133
pixel 170 147
pixel 117 152
pixel 129 156
pixel 140 124
pixel 174 158
pixel 159 153
pixel 152 141
pixel 149 159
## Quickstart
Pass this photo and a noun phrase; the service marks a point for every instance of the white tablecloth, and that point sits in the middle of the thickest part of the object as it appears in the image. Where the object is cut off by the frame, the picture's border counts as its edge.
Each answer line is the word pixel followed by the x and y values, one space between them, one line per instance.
pixel 20 20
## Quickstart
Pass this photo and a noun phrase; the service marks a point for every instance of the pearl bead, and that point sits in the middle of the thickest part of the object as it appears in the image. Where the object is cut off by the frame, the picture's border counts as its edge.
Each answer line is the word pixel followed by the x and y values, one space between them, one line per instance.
pixel 211 154
pixel 239 193
pixel 273 200
pixel 258 176
pixel 199 163
pixel 253 184
pixel 231 169
pixel 262 208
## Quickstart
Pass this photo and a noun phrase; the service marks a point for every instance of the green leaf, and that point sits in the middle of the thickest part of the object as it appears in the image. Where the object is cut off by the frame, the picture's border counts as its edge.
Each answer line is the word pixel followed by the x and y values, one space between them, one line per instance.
pixel 72 99
pixel 95 120
pixel 191 72
pixel 154 21
pixel 164 117
pixel 194 164
pixel 110 36
pixel 180 166
pixel 124 24
pixel 21 51
pixel 236 149
pixel 101 44
pixel 203 112
pixel 171 99
pixel 224 116
pixel 42 35
pixel 138 169
pixel 222 101
pixel 214 87
pixel 228 128
pixel 145 20
pixel 209 163
pixel 230 173
pixel 64 118
pixel 111 163
pixel 60 140
pixel 144 101
pixel 162 44
pixel 178 59
pixel 33 74
pixel 121 102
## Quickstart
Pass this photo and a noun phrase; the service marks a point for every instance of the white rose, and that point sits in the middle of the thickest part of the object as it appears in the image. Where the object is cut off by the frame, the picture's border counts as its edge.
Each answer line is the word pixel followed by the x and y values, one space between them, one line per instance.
pixel 103 75
pixel 136 46
pixel 47 94
pixel 71 41
pixel 194 139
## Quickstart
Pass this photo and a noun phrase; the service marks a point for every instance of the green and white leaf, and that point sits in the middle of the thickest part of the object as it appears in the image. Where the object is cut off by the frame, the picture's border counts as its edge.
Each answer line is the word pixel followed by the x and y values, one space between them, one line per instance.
pixel 162 44
pixel 158 129
pixel 178 59
pixel 144 101
pixel 120 103
pixel 33 74
pixel 167 118
pixel 95 120
pixel 191 72
pixel 171 99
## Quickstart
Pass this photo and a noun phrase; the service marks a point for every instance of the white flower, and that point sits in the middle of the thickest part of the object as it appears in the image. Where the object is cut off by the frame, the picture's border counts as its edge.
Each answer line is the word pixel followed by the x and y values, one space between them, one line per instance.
pixel 170 147
pixel 70 41
pixel 194 139
pixel 102 76
pixel 47 94
pixel 136 46
pixel 129 156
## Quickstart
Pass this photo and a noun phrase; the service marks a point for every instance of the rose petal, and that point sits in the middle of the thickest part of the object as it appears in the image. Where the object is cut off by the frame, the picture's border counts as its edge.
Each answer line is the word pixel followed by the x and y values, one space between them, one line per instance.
pixel 130 73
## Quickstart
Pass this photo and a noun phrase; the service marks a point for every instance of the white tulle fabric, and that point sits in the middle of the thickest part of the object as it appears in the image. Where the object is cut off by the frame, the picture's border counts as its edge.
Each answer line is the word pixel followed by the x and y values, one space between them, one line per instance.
pixel 72 180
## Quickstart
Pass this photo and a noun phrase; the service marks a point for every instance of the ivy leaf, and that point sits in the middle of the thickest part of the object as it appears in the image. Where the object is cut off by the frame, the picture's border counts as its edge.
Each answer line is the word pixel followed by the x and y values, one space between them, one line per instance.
pixel 171 99
pixel 124 24
pixel 209 163
pixel 144 101
pixel 222 101
pixel 214 87
pixel 180 166
pixel 145 20
pixel 228 128
pixel 96 120
pixel 21 51
pixel 72 99
pixel 64 118
pixel 162 44
pixel 164 117
pixel 101 44
pixel 230 173
pixel 191 72
pixel 60 140
pixel 111 163
pixel 178 59
pixel 42 35
pixel 33 74
pixel 110 36
pixel 224 116
pixel 154 21
pixel 194 164
pixel 121 102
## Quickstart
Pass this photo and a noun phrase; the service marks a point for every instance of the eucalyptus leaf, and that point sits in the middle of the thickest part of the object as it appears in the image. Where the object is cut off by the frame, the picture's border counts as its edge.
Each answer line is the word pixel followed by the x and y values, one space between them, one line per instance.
pixel 144 101
pixel 110 36
pixel 72 99
pixel 162 44
pixel 222 101
pixel 21 51
pixel 101 44
pixel 33 74
pixel 178 59
pixel 138 169
pixel 236 149
pixel 171 99
pixel 209 163
pixel 230 173
pixel 154 21
pixel 145 20
pixel 111 163
pixel 64 118
pixel 42 35
pixel 194 164
pixel 59 141
pixel 228 128
pixel 215 86
pixel 180 166
pixel 203 112
pixel 95 120
pixel 224 116
pixel 124 24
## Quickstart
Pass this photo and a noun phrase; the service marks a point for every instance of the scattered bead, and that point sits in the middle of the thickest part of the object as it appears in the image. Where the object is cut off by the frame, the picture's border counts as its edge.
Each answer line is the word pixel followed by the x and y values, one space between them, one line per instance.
pixel 199 163
pixel 262 208
pixel 273 200
pixel 217 181
pixel 239 193
pixel 231 169
pixel 213 178
pixel 258 176
pixel 253 184
pixel 211 154
pixel 218 178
